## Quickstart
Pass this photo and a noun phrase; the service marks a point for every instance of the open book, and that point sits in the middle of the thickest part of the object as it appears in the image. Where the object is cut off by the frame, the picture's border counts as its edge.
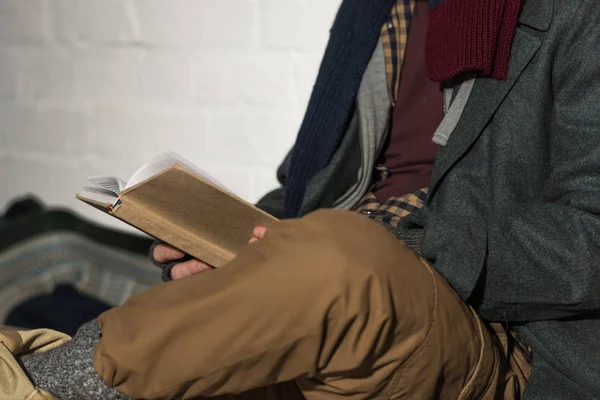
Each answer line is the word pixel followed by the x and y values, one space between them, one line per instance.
pixel 172 200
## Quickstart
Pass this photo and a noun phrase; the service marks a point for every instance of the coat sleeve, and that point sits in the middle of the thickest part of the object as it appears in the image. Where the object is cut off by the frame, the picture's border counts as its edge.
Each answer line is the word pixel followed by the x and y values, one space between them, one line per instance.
pixel 543 261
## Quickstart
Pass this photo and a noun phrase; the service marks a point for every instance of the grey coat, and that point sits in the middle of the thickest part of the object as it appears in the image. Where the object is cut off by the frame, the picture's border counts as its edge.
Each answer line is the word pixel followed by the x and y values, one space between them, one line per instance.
pixel 512 219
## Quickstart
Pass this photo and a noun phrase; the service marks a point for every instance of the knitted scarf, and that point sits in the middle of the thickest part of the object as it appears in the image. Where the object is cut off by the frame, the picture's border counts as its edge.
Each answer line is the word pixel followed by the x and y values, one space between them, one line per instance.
pixel 470 36
pixel 463 36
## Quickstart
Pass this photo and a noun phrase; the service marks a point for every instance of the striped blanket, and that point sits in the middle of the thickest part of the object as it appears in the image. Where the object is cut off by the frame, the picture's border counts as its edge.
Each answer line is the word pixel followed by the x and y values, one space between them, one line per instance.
pixel 36 266
pixel 41 248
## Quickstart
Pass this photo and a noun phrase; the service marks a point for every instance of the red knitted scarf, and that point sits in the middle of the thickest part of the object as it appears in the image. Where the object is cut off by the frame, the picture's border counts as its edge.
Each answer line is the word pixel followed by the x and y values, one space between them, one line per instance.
pixel 471 36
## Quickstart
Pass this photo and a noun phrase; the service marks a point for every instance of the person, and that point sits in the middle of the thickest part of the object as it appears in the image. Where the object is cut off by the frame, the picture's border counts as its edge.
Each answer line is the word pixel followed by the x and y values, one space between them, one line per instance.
pixel 492 290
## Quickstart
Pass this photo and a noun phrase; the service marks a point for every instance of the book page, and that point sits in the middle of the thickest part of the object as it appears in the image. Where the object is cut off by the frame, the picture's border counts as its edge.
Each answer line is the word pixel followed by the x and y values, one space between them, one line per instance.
pixel 108 183
pixel 163 162
pixel 100 195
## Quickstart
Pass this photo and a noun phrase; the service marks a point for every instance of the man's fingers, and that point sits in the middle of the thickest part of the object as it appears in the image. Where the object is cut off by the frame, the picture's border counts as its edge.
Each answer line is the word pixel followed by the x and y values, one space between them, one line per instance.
pixel 188 268
pixel 259 232
pixel 165 253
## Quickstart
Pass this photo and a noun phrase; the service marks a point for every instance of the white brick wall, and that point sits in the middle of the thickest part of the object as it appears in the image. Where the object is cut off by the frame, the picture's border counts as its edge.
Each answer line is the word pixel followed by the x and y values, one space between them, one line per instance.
pixel 98 86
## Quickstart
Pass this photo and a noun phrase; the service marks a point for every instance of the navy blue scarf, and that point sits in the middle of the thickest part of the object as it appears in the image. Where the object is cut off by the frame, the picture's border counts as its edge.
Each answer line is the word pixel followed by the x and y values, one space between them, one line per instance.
pixel 354 36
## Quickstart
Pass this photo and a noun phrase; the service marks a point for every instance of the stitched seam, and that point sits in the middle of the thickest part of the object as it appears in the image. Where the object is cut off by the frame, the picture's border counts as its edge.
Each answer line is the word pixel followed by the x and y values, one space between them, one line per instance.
pixel 30 396
pixel 471 382
pixel 21 343
pixel 38 392
pixel 398 375
pixel 490 381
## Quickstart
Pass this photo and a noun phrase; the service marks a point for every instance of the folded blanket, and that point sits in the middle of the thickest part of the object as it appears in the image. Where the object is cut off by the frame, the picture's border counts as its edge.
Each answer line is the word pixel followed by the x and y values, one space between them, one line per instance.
pixel 41 249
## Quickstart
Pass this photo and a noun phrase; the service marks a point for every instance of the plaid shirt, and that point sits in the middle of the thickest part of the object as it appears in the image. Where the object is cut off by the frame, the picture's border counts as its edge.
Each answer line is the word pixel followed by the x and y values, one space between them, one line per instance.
pixel 394 36
pixel 391 211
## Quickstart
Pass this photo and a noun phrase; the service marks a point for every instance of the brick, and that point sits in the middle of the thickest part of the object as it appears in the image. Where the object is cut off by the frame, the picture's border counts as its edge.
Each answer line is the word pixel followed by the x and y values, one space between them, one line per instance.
pixel 92 21
pixel 126 79
pixel 8 76
pixel 167 75
pixel 55 180
pixel 142 133
pixel 255 138
pixel 105 75
pixel 42 129
pixel 299 24
pixel 45 74
pixel 22 22
pixel 196 23
pixel 245 78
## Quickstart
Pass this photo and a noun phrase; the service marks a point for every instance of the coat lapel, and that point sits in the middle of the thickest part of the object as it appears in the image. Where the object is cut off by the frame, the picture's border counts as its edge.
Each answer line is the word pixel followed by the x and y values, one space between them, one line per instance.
pixel 488 94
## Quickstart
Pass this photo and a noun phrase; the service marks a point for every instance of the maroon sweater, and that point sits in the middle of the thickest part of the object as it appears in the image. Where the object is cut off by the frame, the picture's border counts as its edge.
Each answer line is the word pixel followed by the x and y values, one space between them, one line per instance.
pixel 409 153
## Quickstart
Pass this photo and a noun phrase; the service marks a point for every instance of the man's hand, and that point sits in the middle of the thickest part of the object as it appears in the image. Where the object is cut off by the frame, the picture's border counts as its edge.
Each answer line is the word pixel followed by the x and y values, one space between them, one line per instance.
pixel 166 254
pixel 258 233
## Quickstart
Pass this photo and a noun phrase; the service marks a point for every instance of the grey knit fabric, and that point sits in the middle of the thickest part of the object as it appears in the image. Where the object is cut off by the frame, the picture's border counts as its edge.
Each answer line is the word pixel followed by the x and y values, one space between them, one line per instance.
pixel 412 238
pixel 67 371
